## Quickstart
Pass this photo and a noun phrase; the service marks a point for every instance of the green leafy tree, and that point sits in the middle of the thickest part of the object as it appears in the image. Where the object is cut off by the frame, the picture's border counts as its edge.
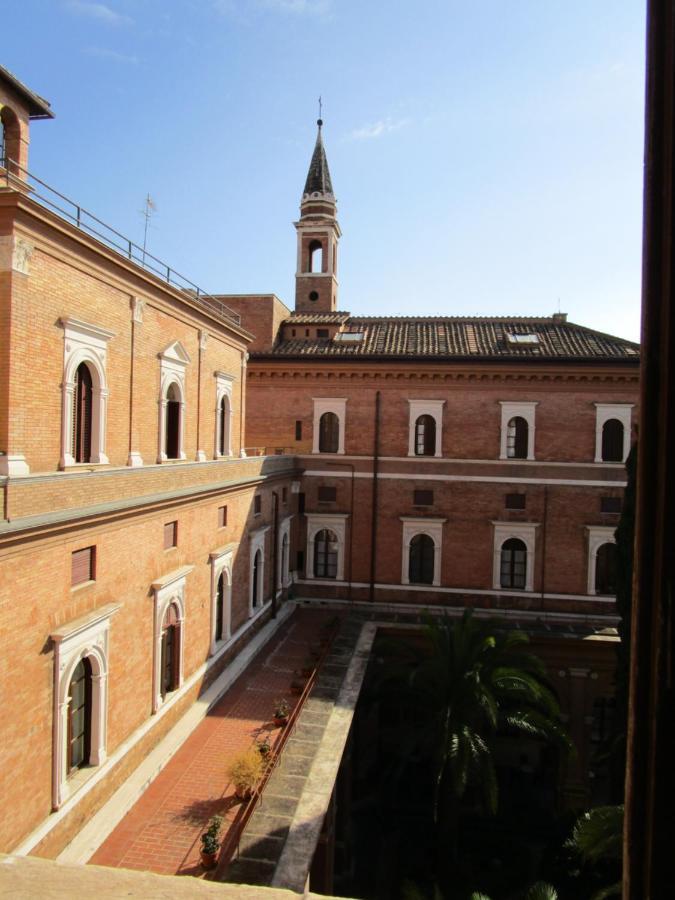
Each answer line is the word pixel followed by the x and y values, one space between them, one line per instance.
pixel 467 682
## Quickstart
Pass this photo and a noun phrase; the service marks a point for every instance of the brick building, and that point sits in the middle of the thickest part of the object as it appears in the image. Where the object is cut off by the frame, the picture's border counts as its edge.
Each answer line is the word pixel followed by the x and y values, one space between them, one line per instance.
pixel 151 515
pixel 137 541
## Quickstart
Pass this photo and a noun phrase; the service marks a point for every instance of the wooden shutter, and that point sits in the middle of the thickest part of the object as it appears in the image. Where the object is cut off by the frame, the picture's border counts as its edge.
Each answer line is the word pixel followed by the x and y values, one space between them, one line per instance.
pixel 327 494
pixel 170 535
pixel 82 420
pixel 222 516
pixel 82 566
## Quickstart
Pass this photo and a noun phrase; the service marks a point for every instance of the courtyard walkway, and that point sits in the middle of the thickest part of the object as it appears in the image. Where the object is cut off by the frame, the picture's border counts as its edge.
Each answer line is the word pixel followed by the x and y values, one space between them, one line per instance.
pixel 161 833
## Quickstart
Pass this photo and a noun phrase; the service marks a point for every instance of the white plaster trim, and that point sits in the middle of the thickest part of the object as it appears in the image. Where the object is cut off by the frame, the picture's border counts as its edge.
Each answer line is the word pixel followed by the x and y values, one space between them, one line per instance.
pixel 84 343
pixel 102 823
pixel 14 465
pixel 224 384
pixel 433 528
pixel 15 254
pixel 526 410
pixel 524 531
pixel 337 405
pixel 597 536
pixel 433 408
pixel 135 460
pixel 172 363
pixel 486 479
pixel 605 411
pixel 454 460
pixel 84 637
pixel 221 564
pixel 335 522
pixel 168 590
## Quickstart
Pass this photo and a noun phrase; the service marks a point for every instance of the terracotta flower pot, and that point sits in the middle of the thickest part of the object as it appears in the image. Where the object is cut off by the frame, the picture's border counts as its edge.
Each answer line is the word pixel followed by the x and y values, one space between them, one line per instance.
pixel 208 859
pixel 280 721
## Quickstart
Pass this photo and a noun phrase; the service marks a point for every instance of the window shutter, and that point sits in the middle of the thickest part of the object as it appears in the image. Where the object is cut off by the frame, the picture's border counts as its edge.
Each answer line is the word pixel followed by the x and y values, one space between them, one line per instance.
pixel 327 494
pixel 170 535
pixel 222 516
pixel 82 566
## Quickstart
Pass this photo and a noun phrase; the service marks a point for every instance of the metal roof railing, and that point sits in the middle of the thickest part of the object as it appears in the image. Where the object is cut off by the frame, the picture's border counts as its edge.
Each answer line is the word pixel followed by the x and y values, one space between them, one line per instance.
pixel 84 220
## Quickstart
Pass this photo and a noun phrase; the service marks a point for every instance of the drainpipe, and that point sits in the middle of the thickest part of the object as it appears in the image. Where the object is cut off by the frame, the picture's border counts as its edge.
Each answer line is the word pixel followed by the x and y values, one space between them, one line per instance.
pixel 275 552
pixel 373 523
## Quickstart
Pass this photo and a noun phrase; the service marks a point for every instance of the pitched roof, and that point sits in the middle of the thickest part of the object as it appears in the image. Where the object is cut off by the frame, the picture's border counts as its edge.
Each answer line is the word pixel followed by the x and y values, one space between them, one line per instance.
pixel 318 177
pixel 453 338
pixel 38 107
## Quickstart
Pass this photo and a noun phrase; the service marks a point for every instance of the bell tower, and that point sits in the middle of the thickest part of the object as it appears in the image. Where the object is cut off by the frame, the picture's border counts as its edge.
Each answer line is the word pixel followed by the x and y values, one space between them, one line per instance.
pixel 316 282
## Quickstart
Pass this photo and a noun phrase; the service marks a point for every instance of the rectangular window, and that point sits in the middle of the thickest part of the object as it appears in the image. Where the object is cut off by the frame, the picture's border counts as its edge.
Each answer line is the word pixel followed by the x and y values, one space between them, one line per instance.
pixel 423 498
pixel 301 560
pixel 301 503
pixel 322 332
pixel 284 495
pixel 515 501
pixel 222 516
pixel 257 505
pixel 327 494
pixel 298 430
pixel 170 535
pixel 610 504
pixel 83 566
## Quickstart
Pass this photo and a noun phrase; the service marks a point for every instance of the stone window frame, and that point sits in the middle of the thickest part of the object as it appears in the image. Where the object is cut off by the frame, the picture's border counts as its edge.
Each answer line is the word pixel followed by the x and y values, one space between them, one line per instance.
pixel 597 536
pixel 87 636
pixel 222 560
pixel 604 412
pixel 526 409
pixel 224 388
pixel 257 542
pixel 168 590
pixel 284 578
pixel 433 528
pixel 336 405
pixel 173 362
pixel 522 531
pixel 433 408
pixel 84 343
pixel 335 522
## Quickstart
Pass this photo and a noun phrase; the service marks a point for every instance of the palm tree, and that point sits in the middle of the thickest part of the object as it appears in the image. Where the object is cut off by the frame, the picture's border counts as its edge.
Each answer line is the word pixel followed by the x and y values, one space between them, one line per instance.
pixel 467 682
pixel 598 838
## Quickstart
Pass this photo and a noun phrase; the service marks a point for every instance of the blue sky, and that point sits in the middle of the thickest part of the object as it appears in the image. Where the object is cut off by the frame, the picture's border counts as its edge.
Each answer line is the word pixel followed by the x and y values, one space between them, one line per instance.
pixel 486 155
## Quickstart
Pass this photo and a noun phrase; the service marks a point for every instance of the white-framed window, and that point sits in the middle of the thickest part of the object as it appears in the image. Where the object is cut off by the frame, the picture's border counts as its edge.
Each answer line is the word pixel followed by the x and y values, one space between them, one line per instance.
pixel 514 549
pixel 517 430
pixel 612 431
pixel 256 592
pixel 223 442
pixel 221 595
pixel 284 554
pixel 329 424
pixel 422 543
pixel 425 427
pixel 168 634
pixel 80 700
pixel 325 558
pixel 601 560
pixel 173 362
pixel 84 400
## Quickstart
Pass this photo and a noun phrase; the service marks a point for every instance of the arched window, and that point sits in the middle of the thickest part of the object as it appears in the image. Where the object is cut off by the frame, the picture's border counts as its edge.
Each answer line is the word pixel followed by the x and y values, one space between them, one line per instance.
pixel 256 580
pixel 170 650
pixel 224 426
pixel 329 433
pixel 82 414
pixel 513 568
pixel 612 441
pixel 315 257
pixel 421 560
pixel 605 569
pixel 516 438
pixel 425 436
pixel 220 608
pixel 79 716
pixel 10 137
pixel 172 423
pixel 325 554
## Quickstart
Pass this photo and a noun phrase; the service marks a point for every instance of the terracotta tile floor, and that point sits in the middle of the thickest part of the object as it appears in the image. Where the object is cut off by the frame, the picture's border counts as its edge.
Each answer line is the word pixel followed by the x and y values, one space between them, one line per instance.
pixel 161 832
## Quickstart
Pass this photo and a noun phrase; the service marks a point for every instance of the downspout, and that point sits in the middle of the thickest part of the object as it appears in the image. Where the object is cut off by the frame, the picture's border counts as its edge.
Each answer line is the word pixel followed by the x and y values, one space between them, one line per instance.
pixel 275 552
pixel 373 522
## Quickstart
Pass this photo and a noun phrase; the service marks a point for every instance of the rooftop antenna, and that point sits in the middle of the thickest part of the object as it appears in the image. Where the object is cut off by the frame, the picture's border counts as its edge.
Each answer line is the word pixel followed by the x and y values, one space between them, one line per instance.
pixel 149 208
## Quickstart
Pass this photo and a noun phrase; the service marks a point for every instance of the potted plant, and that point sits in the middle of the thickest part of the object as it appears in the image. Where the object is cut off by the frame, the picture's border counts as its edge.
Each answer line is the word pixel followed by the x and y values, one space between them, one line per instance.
pixel 263 746
pixel 210 842
pixel 245 771
pixel 281 712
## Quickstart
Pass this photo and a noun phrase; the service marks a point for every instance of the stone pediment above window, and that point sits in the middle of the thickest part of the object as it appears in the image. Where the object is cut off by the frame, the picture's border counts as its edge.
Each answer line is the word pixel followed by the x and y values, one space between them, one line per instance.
pixel 175 353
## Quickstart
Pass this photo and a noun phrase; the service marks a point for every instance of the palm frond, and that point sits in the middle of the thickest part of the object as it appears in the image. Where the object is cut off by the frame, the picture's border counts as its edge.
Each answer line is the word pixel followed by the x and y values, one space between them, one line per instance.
pixel 541 891
pixel 598 834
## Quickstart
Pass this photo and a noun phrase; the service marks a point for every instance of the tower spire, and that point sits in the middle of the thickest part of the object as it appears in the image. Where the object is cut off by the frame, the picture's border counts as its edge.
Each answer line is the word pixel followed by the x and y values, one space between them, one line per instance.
pixel 318 235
